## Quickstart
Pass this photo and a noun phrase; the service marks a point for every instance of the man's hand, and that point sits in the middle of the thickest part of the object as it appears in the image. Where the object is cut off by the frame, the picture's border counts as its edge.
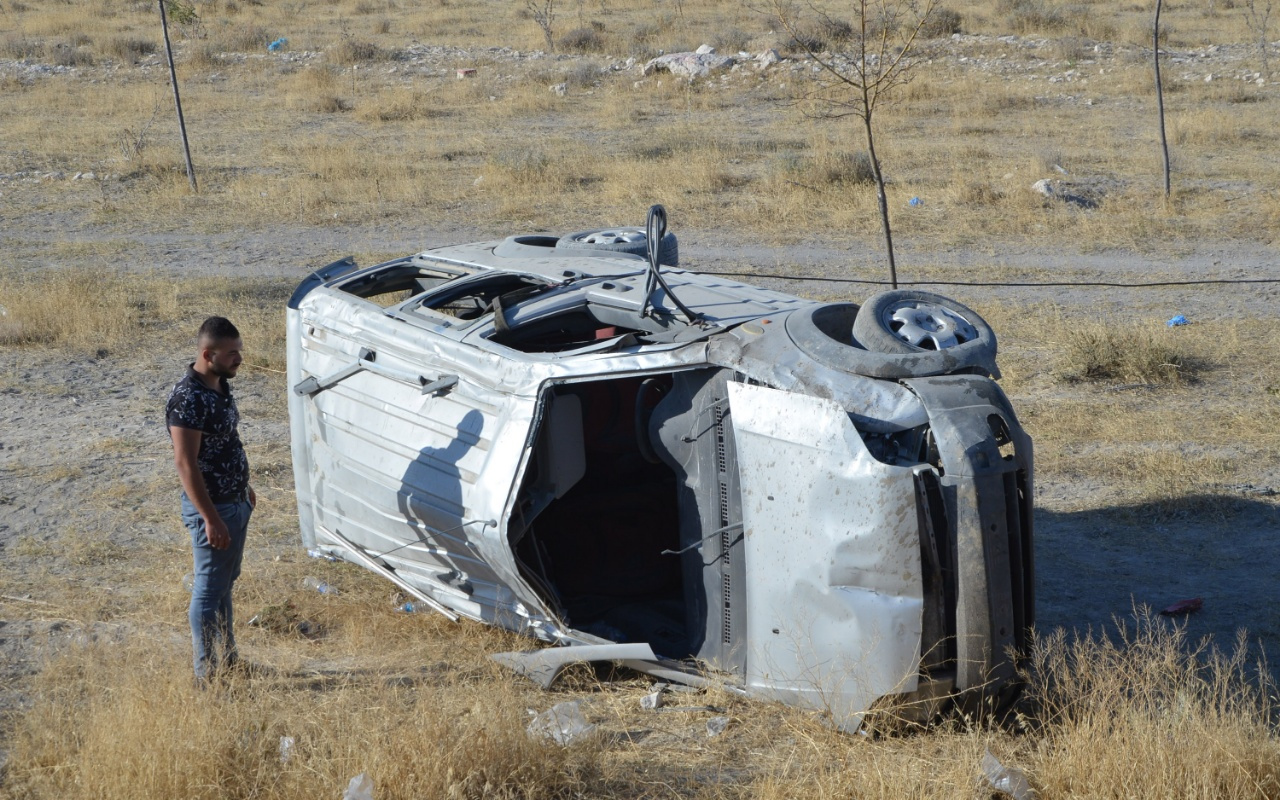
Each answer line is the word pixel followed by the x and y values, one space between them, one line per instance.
pixel 253 498
pixel 216 530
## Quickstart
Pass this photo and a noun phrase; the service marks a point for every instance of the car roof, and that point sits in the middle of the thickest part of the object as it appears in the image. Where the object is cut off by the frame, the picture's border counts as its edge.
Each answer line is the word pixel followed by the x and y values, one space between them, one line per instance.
pixel 619 279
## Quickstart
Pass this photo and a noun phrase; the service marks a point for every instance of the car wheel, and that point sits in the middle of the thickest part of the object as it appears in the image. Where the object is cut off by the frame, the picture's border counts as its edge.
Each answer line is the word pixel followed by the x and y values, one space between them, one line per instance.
pixel 631 241
pixel 911 322
pixel 828 334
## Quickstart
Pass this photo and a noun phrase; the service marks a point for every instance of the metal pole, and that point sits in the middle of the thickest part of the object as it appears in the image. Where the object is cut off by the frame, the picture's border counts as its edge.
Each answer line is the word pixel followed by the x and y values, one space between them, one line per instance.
pixel 1164 139
pixel 177 101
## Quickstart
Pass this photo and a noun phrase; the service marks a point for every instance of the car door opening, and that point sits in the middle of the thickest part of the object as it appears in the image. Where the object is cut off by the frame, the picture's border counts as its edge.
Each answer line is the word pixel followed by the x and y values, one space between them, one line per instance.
pixel 596 512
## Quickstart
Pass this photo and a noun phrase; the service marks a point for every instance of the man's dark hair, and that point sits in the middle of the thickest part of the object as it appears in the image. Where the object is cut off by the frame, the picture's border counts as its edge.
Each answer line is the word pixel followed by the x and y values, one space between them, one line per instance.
pixel 217 328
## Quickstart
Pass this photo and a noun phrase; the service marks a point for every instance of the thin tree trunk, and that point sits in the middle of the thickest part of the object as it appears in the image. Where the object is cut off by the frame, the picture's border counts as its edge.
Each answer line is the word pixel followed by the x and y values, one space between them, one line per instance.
pixel 1164 140
pixel 177 101
pixel 881 198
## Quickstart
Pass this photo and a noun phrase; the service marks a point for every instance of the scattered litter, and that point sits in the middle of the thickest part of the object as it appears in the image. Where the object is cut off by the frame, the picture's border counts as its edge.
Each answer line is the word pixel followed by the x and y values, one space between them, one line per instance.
pixel 1184 607
pixel 360 788
pixel 1178 320
pixel 466 72
pixel 316 552
pixel 915 202
pixel 315 584
pixel 277 45
pixel 188 581
pixel 712 709
pixel 651 701
pixel 1010 780
pixel 286 748
pixel 560 89
pixel 563 723
pixel 716 726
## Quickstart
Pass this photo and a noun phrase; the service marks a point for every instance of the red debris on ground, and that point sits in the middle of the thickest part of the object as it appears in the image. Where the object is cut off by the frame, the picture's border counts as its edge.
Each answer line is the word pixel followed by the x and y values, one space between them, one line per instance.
pixel 1184 607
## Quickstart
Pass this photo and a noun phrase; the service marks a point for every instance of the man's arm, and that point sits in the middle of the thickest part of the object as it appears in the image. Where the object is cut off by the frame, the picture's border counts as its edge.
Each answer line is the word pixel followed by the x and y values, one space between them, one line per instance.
pixel 186 446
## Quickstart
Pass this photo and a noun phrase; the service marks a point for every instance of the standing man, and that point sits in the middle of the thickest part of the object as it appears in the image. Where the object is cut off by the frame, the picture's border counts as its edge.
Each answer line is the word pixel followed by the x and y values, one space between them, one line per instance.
pixel 216 500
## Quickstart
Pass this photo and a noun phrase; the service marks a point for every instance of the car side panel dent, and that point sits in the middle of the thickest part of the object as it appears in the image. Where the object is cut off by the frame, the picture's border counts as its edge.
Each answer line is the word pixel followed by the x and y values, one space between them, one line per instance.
pixel 835 592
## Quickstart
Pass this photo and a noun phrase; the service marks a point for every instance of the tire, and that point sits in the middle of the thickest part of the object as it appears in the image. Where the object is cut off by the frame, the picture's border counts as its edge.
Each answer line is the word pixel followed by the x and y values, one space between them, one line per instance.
pixel 827 334
pixel 629 240
pixel 910 322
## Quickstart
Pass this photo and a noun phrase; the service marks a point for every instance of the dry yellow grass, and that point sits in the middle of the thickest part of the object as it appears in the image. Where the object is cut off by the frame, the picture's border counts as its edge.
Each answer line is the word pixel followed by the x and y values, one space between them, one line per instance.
pixel 272 144
pixel 1139 715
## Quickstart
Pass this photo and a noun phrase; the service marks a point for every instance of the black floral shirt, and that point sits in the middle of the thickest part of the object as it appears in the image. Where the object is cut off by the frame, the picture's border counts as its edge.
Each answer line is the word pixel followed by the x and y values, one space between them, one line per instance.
pixel 221 459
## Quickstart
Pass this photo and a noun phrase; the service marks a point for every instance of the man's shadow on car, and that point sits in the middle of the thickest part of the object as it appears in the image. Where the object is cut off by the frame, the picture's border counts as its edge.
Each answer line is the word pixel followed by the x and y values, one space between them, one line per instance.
pixel 430 498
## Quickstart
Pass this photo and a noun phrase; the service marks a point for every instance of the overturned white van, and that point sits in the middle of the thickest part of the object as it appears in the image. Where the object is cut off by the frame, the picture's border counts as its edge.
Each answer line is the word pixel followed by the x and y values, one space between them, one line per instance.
pixel 574 438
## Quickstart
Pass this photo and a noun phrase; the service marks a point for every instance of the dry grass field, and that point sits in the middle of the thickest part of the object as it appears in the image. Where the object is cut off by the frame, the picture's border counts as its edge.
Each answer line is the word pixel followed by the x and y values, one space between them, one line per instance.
pixel 1158 449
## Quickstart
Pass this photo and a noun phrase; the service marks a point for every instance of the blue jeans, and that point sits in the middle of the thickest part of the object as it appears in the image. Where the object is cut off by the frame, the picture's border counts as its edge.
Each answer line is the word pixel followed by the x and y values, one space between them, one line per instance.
pixel 215 572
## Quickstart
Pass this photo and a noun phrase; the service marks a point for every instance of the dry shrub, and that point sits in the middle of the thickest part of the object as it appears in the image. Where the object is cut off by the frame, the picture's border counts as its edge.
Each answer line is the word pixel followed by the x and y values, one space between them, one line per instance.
pixel 316 89
pixel 242 38
pixel 975 194
pixel 1031 16
pixel 587 39
pixel 401 105
pixel 942 22
pixel 67 54
pixel 128 49
pixel 1131 352
pixel 19 47
pixel 349 51
pixel 1149 715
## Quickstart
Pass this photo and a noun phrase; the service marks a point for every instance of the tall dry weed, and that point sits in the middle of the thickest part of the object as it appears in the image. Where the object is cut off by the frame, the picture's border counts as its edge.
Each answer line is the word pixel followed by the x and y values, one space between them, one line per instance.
pixel 1118 351
pixel 1149 714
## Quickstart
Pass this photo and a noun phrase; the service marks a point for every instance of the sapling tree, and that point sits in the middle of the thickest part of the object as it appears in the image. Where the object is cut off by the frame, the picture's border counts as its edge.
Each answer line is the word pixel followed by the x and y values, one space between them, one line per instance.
pixel 881 45
pixel 1257 14
pixel 544 13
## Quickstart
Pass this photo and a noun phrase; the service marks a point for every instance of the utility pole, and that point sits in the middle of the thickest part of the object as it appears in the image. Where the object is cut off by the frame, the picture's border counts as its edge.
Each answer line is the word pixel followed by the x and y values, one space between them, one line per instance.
pixel 177 101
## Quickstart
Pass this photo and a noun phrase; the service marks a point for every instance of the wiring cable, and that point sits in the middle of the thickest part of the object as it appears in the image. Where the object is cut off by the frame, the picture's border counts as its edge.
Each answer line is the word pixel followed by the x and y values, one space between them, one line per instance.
pixel 1016 284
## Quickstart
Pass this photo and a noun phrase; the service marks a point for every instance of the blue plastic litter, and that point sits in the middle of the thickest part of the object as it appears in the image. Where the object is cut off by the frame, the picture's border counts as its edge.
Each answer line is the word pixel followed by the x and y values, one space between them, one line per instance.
pixel 277 45
pixel 1178 320
pixel 915 201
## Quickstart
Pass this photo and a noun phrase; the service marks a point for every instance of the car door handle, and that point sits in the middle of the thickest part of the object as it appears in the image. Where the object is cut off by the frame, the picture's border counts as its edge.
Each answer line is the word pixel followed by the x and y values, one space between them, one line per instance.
pixel 366 361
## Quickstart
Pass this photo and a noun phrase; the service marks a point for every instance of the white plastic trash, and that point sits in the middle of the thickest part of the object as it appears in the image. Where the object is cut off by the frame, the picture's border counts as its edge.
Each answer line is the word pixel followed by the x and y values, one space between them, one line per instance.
pixel 563 723
pixel 360 788
pixel 1010 780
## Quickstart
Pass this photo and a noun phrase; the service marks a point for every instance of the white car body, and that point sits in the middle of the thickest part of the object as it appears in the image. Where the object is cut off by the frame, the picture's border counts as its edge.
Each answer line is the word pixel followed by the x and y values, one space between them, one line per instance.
pixel 719 499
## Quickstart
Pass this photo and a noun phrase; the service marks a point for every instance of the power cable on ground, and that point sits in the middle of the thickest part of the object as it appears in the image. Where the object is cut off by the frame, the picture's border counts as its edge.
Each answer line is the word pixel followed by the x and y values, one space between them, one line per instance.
pixel 1015 284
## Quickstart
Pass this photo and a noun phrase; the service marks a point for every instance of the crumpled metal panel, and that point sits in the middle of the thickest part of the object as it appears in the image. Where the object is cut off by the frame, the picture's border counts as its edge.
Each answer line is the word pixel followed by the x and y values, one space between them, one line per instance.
pixel 764 352
pixel 835 593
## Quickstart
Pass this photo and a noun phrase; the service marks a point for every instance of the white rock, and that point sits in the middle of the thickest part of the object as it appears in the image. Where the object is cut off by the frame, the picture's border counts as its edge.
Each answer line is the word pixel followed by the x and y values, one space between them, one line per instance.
pixel 688 65
pixel 705 50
